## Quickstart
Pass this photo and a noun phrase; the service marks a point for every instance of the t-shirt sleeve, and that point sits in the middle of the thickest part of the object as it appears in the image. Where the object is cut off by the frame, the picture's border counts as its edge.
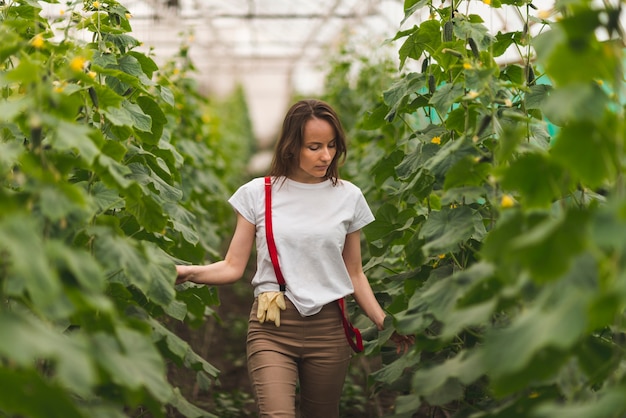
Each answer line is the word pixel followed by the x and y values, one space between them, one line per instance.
pixel 243 201
pixel 362 213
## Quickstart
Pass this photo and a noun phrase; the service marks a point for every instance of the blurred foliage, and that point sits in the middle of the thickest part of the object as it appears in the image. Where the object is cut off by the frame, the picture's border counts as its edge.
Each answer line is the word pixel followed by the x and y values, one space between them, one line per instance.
pixel 498 191
pixel 110 169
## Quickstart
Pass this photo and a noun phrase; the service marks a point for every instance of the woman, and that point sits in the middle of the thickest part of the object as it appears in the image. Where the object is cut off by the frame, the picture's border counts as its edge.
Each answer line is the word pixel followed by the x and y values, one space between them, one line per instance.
pixel 317 220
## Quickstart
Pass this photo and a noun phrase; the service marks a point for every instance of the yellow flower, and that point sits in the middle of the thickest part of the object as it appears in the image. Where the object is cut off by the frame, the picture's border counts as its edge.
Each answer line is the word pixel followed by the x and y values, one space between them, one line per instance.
pixel 92 74
pixel 441 256
pixel 61 12
pixel 472 94
pixel 436 140
pixel 467 65
pixel 77 63
pixel 37 41
pixel 487 2
pixel 128 15
pixel 507 201
pixel 96 4
pixel 58 86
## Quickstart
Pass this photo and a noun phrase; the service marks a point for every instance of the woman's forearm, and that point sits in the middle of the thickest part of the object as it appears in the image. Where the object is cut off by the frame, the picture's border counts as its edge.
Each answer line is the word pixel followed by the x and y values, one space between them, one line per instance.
pixel 218 273
pixel 364 297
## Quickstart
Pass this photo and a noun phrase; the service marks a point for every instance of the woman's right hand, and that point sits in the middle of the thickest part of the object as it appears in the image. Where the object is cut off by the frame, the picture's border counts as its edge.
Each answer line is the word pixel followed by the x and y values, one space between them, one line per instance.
pixel 182 274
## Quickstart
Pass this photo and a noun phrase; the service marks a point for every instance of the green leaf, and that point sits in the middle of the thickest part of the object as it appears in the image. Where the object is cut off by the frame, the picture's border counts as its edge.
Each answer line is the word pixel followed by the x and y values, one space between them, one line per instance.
pixel 537 96
pixel 561 52
pixel 449 154
pixel 182 350
pixel 132 361
pixel 131 115
pixel 27 340
pixel 73 137
pixel 20 388
pixel 61 201
pixel 412 163
pixel 426 37
pixel 446 229
pixel 146 177
pixel 537 179
pixel 19 238
pixel 464 28
pixel 148 66
pixel 146 210
pixel 388 221
pixel 607 403
pixel 12 107
pixel 391 372
pixel 445 96
pixel 562 238
pixel 575 103
pixel 411 6
pixel 27 71
pixel 398 94
pixel 467 172
pixel 183 221
pixel 440 384
pixel 157 117
pixel 547 328
pixel 187 409
pixel 107 98
pixel 589 151
pixel 503 41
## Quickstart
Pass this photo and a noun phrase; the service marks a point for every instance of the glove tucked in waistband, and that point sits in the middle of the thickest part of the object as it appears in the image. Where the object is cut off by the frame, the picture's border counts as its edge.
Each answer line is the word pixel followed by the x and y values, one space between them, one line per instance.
pixel 269 306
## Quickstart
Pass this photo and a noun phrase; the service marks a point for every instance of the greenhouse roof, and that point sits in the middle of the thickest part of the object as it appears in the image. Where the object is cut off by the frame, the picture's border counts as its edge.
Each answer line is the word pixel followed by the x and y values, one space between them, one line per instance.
pixel 277 47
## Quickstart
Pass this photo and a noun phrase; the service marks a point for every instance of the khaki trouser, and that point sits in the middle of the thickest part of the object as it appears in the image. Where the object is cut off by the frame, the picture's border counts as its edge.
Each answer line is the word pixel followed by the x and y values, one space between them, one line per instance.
pixel 311 351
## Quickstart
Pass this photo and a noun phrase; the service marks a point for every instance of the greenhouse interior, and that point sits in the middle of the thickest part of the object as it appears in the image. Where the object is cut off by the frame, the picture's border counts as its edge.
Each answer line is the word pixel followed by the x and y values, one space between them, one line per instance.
pixel 457 208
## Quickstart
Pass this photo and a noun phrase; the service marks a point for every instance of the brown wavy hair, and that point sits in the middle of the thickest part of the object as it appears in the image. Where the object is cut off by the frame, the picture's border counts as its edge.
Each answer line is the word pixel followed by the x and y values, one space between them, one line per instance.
pixel 287 151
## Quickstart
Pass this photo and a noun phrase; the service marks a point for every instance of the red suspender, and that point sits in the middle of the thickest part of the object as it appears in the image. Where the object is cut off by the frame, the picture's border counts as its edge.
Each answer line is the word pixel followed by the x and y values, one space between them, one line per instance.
pixel 269 234
pixel 350 330
pixel 352 333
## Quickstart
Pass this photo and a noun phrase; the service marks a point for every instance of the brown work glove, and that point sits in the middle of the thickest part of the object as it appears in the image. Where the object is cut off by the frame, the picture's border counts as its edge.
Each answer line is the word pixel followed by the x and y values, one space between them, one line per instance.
pixel 269 306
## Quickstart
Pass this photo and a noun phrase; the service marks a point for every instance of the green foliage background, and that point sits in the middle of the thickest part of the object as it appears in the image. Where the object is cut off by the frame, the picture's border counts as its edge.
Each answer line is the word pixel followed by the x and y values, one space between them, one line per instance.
pixel 499 197
pixel 111 169
pixel 498 192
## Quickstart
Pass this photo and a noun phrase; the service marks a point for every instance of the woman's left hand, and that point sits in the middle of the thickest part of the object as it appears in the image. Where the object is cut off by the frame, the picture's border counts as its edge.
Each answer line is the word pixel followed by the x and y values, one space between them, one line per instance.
pixel 403 342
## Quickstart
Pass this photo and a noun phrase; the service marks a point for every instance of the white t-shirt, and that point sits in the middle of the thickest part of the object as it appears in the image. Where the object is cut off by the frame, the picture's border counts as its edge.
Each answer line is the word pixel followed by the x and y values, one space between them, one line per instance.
pixel 310 223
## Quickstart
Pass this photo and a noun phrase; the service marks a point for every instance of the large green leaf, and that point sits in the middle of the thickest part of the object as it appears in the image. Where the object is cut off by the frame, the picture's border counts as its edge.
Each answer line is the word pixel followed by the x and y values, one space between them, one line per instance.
pixel 575 102
pixel 158 120
pixel 446 229
pixel 25 393
pixel 132 361
pixel 607 403
pixel 28 340
pixel 537 180
pixel 442 383
pixel 589 151
pixel 426 37
pixel 31 275
pixel 544 331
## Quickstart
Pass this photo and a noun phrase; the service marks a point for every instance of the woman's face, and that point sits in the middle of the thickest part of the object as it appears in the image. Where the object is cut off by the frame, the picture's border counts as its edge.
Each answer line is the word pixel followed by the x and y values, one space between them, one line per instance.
pixel 317 152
